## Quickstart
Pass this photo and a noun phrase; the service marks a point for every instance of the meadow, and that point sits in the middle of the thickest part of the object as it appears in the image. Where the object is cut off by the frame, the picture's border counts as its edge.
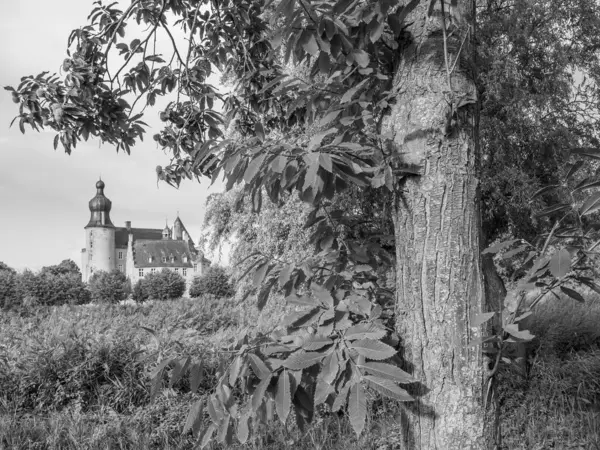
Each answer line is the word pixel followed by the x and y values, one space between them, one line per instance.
pixel 80 377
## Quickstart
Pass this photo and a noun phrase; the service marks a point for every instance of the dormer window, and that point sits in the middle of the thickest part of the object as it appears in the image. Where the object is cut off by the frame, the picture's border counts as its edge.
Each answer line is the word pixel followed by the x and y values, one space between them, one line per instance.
pixel 185 259
pixel 172 259
pixel 150 259
pixel 164 259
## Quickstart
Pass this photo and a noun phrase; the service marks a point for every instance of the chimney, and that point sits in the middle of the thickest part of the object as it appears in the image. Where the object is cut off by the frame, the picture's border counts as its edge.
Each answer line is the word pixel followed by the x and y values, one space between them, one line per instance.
pixel 128 225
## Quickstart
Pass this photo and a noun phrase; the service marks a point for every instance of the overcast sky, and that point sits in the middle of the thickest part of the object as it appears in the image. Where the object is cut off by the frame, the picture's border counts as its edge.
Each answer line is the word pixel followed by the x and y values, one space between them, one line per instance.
pixel 44 193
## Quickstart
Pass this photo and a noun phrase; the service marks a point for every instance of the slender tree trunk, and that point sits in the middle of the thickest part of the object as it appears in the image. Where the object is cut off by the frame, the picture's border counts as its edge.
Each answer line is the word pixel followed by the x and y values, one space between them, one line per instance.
pixel 439 279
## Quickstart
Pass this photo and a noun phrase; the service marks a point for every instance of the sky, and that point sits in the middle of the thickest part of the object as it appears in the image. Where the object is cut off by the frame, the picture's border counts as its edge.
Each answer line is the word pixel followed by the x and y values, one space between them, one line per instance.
pixel 44 193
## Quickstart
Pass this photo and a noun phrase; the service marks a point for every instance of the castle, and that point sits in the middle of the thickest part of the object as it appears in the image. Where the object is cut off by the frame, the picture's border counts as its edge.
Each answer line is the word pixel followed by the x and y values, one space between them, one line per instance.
pixel 136 251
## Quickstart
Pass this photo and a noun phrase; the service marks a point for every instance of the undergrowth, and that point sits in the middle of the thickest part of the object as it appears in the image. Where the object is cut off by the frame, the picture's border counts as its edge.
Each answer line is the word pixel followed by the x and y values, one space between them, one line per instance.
pixel 78 377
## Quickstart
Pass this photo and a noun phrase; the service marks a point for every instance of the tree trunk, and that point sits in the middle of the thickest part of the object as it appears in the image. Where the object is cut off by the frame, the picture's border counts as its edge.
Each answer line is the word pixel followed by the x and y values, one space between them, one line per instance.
pixel 439 280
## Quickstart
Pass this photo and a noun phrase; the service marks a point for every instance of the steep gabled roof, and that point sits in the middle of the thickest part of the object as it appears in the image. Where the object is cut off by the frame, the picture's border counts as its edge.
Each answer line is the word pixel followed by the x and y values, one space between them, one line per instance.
pixel 143 249
pixel 122 235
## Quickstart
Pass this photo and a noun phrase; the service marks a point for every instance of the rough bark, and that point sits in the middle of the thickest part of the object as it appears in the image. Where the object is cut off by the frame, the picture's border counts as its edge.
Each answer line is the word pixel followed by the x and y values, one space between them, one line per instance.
pixel 439 278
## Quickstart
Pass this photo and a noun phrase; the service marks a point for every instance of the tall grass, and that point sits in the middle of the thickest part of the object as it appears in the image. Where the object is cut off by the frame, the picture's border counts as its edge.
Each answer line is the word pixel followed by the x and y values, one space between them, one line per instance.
pixel 78 377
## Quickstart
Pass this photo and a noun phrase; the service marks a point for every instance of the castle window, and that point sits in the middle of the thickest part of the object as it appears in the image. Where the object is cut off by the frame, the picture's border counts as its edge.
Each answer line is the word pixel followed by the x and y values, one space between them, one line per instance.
pixel 141 272
pixel 195 267
pixel 176 269
pixel 120 255
pixel 152 270
pixel 184 270
pixel 120 267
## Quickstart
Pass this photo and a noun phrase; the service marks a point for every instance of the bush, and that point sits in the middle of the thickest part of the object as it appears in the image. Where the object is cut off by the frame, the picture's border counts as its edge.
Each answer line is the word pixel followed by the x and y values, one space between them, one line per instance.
pixel 139 294
pixel 109 287
pixel 9 292
pixel 164 285
pixel 55 285
pixel 214 282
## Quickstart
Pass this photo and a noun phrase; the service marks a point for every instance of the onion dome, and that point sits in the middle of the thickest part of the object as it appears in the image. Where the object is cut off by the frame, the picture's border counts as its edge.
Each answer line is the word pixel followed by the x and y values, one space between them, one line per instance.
pixel 100 208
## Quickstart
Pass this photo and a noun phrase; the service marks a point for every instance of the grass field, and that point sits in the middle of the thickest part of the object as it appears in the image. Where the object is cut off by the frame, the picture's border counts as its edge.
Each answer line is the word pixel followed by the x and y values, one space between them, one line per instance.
pixel 78 377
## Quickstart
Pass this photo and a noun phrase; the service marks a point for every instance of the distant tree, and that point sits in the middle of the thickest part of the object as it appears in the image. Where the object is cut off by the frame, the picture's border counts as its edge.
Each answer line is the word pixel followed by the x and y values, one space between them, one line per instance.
pixel 9 292
pixel 164 285
pixel 54 286
pixel 139 294
pixel 66 267
pixel 214 281
pixel 109 287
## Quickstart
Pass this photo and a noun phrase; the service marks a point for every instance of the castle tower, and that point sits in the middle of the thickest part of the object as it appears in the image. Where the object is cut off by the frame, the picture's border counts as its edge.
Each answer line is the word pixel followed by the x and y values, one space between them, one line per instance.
pixel 99 235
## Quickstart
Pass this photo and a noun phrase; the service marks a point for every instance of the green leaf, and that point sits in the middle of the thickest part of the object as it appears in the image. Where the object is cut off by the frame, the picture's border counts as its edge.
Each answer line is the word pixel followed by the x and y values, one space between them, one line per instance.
pixel 259 368
pixel 259 393
pixel 195 377
pixel 388 388
pixel 278 164
pixel 194 418
pixel 311 46
pixel 316 140
pixel 543 190
pixel 284 275
pixel 513 330
pixel 323 63
pixel 372 349
pixel 316 342
pixel 322 294
pixel 499 246
pixel 352 92
pixel 254 167
pixel 300 360
pixel 283 397
pixel 329 117
pixel 243 428
pixel 260 273
pixel 590 204
pixel 326 162
pixel 479 319
pixel 361 57
pixel 573 169
pixel 207 435
pixel 554 209
pixel 560 264
pixel 388 372
pixel 573 294
pixel 588 185
pixel 330 367
pixel 364 330
pixel 322 391
pixel 357 408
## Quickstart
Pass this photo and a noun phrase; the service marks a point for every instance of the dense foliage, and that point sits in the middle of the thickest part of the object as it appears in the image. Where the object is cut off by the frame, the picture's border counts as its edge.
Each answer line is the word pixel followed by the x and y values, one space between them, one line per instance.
pixel 214 281
pixel 163 285
pixel 9 292
pixel 54 285
pixel 109 287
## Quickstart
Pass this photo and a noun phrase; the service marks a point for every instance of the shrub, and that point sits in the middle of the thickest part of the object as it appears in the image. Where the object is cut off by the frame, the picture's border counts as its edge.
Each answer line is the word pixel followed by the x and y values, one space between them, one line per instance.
pixel 109 287
pixel 164 285
pixel 139 294
pixel 9 293
pixel 214 282
pixel 53 288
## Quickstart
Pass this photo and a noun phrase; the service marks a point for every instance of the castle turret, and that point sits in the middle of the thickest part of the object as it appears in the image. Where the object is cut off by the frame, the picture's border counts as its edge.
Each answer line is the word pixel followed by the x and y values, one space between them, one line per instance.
pixel 166 233
pixel 100 236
